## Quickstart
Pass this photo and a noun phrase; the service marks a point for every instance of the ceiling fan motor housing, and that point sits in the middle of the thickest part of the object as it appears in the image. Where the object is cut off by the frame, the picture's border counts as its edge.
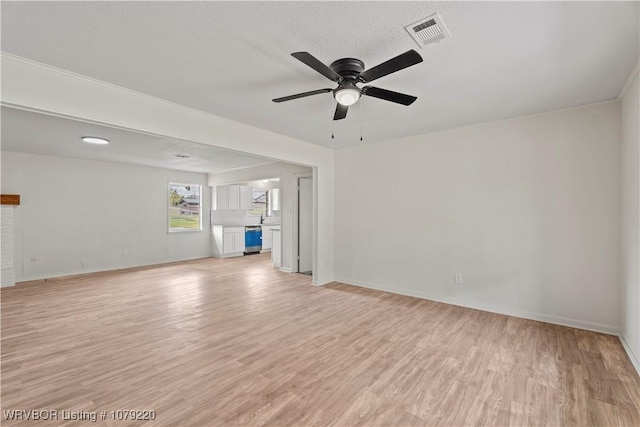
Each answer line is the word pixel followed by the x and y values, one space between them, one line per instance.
pixel 348 68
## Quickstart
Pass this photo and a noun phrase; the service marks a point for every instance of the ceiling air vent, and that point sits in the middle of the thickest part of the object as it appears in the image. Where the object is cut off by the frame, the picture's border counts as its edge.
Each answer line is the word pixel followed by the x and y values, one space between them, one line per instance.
pixel 428 30
pixel 182 156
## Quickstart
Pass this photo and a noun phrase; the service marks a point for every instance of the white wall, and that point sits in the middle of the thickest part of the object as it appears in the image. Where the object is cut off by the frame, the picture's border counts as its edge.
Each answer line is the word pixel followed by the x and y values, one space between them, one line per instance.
pixel 78 216
pixel 527 210
pixel 630 223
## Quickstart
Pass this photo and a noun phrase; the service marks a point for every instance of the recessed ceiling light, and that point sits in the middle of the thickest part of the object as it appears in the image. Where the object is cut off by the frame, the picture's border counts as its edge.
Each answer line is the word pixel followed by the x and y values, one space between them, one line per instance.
pixel 95 140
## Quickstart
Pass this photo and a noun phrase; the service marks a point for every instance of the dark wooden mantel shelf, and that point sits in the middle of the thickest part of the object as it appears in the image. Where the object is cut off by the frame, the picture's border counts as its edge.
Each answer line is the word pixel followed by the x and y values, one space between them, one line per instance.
pixel 9 199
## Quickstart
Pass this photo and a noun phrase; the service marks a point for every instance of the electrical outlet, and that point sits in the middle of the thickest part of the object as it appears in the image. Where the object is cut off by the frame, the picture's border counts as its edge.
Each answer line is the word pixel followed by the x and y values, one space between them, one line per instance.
pixel 458 277
pixel 125 252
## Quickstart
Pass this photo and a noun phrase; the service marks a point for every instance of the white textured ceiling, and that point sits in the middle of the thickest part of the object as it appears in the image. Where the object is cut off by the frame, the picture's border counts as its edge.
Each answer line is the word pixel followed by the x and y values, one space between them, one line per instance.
pixel 35 133
pixel 504 59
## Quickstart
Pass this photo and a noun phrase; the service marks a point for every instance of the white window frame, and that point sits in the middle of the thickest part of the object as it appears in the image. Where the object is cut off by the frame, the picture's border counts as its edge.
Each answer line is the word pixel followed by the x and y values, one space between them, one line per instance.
pixel 266 211
pixel 177 229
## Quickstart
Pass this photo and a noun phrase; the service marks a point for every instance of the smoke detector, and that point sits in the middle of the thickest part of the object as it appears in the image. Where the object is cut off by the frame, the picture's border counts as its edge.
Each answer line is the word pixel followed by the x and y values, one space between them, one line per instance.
pixel 428 30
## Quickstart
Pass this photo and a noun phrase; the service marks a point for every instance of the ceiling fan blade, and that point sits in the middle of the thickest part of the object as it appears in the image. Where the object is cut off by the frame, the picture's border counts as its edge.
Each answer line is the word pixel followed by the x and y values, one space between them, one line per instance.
pixel 389 95
pixel 402 61
pixel 341 112
pixel 314 63
pixel 302 95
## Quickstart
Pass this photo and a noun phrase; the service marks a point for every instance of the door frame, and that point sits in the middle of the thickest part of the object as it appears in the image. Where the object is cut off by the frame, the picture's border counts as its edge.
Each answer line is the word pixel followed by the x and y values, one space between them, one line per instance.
pixel 296 221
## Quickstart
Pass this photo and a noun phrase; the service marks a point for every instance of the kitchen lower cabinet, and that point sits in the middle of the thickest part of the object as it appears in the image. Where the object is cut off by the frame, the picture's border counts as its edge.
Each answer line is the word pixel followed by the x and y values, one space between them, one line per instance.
pixel 267 237
pixel 276 249
pixel 228 241
pixel 238 241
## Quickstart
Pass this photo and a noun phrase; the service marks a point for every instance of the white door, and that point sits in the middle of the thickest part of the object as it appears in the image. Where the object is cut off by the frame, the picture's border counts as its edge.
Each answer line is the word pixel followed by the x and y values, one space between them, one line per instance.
pixel 305 225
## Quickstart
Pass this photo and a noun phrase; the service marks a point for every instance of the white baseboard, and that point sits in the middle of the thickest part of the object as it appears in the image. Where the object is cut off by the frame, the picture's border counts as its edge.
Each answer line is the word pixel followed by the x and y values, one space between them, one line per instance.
pixel 231 255
pixel 541 317
pixel 634 359
pixel 102 270
pixel 286 270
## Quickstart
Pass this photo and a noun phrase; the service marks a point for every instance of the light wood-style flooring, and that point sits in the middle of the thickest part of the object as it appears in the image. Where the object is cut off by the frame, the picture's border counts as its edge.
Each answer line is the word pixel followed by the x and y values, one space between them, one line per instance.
pixel 236 342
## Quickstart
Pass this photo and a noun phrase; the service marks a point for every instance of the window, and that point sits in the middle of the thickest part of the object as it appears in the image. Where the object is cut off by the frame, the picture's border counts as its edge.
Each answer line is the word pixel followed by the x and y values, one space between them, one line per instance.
pixel 185 210
pixel 260 201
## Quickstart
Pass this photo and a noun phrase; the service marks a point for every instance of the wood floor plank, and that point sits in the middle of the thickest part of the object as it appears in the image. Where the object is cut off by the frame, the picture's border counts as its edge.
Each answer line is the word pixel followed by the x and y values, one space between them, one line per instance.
pixel 237 342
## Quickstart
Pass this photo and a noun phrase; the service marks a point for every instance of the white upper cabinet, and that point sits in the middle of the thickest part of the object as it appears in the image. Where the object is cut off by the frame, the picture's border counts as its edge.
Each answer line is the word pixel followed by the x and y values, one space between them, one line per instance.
pixel 274 199
pixel 234 197
pixel 222 197
pixel 246 197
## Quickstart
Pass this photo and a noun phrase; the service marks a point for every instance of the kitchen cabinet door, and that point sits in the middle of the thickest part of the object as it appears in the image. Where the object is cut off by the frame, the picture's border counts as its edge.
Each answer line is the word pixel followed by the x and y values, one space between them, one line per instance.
pixel 228 243
pixel 274 199
pixel 276 249
pixel 234 197
pixel 267 238
pixel 222 197
pixel 246 197
pixel 238 242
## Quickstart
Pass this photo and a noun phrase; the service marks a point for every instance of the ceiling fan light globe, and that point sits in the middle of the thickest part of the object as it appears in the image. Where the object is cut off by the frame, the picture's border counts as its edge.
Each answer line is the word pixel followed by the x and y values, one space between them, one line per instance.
pixel 347 96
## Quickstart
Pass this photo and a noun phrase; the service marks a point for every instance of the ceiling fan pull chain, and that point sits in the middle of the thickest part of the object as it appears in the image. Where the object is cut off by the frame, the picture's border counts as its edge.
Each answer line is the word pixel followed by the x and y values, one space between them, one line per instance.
pixel 361 116
pixel 332 125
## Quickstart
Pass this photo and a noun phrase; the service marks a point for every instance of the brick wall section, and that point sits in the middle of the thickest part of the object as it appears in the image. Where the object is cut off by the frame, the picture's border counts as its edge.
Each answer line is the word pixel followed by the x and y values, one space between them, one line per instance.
pixel 7 274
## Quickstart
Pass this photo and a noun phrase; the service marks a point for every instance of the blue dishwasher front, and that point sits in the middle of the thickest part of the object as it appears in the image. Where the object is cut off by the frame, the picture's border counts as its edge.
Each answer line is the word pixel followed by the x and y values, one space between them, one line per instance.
pixel 252 239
